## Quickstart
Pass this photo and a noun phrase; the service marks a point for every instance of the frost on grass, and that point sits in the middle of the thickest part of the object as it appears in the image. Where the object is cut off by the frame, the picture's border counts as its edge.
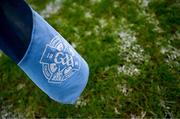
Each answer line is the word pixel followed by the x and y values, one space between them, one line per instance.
pixel 140 116
pixel 115 4
pixel 81 103
pixel 166 108
pixel 88 33
pixel 149 17
pixel 103 22
pixel 73 45
pixel 116 111
pixel 5 113
pixel 143 3
pixel 130 70
pixel 172 55
pixel 123 88
pixel 130 51
pixel 51 8
pixel 88 15
pixel 96 30
pixel 20 86
pixel 95 1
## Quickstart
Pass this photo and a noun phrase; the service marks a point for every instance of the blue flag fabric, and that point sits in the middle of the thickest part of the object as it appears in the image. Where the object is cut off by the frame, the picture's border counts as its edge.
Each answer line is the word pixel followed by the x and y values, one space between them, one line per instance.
pixel 53 65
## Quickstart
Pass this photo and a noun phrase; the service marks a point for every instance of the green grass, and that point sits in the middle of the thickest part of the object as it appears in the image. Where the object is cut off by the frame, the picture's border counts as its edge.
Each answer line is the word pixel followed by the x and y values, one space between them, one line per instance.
pixel 133 54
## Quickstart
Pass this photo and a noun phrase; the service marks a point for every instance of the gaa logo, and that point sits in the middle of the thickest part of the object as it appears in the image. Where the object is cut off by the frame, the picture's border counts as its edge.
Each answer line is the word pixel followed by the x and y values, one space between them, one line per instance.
pixel 59 61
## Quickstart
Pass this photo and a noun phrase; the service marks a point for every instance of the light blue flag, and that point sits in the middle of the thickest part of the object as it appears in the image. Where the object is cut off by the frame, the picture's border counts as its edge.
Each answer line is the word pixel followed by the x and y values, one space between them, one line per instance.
pixel 53 65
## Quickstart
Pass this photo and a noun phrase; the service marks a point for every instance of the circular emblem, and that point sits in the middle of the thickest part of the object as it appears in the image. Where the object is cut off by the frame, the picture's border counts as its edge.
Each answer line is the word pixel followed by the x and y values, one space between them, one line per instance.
pixel 59 60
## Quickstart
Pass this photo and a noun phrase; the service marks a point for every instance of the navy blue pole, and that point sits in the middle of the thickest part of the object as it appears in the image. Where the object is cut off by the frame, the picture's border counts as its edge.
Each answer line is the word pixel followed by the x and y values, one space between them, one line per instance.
pixel 15 28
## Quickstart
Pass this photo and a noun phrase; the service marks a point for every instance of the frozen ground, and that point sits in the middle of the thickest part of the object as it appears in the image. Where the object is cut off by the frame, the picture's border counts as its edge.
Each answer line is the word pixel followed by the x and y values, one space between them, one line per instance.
pixel 132 48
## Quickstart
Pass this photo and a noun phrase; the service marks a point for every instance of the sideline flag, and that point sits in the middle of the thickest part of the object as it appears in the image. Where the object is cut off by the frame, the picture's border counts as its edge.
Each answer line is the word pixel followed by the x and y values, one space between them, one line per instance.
pixel 52 63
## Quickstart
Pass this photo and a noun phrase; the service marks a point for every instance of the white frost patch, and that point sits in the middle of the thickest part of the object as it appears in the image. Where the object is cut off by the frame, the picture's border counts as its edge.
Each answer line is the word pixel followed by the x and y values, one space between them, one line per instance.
pixel 74 4
pixel 81 103
pixel 116 4
pixel 124 89
pixel 141 116
pixel 116 111
pixel 88 33
pixel 172 55
pixel 144 3
pixel 133 116
pixel 130 70
pixel 96 30
pixel 20 86
pixel 163 104
pixel 130 52
pixel 95 1
pixel 103 22
pixel 175 36
pixel 6 113
pixel 51 8
pixel 88 15
pixel 166 108
pixel 149 17
pixel 107 68
pixel 73 45
pixel 76 36
pixel 76 29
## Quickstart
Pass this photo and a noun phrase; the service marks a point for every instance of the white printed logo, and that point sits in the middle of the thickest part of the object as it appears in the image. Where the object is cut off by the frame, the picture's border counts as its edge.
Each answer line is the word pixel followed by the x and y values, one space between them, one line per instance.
pixel 59 61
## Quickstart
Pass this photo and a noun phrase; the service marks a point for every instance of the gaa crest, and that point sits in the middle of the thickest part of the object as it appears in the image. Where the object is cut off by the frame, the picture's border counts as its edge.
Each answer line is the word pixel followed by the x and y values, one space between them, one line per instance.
pixel 59 61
